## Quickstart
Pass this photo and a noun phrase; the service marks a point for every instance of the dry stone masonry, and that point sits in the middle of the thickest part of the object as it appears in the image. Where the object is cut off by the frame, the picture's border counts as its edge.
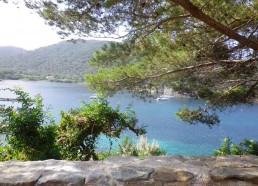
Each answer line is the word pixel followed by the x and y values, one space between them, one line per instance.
pixel 134 171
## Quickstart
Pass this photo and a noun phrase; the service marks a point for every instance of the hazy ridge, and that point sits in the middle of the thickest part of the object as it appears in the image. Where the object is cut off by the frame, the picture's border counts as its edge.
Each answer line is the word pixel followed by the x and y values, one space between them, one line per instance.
pixel 64 61
pixel 9 51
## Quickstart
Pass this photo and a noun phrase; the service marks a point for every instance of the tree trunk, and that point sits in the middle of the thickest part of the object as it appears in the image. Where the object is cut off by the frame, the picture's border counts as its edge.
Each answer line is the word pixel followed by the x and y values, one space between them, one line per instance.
pixel 198 14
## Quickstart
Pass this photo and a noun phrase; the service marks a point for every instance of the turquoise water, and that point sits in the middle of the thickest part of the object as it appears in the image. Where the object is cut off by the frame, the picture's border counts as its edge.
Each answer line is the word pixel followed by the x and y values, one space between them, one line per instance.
pixel 173 135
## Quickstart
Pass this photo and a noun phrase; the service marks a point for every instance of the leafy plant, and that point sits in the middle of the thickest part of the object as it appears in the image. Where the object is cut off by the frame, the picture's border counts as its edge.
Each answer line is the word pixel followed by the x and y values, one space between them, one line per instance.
pixel 80 128
pixel 249 146
pixel 245 147
pixel 30 132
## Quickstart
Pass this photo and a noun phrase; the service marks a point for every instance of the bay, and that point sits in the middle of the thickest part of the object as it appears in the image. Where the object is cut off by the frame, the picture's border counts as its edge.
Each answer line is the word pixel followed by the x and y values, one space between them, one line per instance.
pixel 175 136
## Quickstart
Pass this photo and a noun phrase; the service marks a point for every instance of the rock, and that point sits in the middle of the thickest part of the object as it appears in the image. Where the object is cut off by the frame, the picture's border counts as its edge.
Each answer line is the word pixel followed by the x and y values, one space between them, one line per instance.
pixel 61 179
pixel 139 183
pixel 97 175
pixel 234 183
pixel 134 171
pixel 105 181
pixel 234 161
pixel 176 184
pixel 22 178
pixel 169 175
pixel 130 173
pixel 118 160
pixel 241 174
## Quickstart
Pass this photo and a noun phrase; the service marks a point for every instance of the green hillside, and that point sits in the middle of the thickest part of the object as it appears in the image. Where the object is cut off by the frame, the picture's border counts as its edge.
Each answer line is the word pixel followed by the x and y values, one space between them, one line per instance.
pixel 8 51
pixel 65 61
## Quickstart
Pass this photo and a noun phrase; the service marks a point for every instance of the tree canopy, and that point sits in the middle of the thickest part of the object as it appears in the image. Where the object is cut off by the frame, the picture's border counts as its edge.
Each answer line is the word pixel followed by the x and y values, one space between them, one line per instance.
pixel 207 48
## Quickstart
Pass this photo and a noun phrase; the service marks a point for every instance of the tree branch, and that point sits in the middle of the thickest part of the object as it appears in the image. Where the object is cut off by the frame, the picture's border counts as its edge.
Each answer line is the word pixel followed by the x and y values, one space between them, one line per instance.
pixel 203 65
pixel 167 72
pixel 198 14
pixel 251 89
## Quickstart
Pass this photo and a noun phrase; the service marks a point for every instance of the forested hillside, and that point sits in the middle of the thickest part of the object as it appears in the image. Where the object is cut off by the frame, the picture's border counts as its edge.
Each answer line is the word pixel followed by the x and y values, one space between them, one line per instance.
pixel 8 51
pixel 65 61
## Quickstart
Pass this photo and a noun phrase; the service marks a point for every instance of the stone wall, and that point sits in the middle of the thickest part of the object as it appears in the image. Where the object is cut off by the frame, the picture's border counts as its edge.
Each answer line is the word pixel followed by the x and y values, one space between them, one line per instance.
pixel 133 171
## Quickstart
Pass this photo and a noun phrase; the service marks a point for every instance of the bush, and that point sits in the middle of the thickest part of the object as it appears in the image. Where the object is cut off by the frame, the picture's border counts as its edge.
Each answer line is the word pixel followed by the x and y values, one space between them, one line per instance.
pixel 245 147
pixel 80 128
pixel 30 132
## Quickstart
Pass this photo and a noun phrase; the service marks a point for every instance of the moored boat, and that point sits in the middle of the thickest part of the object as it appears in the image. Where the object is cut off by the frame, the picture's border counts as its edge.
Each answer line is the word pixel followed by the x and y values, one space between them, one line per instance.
pixel 165 98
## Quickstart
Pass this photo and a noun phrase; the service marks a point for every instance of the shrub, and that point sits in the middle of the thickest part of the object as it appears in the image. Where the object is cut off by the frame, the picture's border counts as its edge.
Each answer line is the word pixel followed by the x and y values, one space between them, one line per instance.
pixel 30 132
pixel 80 128
pixel 245 147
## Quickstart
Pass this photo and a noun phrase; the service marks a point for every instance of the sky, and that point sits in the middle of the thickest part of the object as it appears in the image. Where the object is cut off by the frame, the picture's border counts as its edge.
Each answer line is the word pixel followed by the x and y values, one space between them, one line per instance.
pixel 22 28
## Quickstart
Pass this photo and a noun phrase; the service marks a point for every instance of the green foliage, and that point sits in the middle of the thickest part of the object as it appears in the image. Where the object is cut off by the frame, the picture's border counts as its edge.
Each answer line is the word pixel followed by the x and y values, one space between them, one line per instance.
pixel 65 61
pixel 198 115
pixel 135 69
pixel 9 74
pixel 127 147
pixel 1 151
pixel 30 133
pixel 80 128
pixel 230 96
pixel 243 148
pixel 249 146
pixel 142 18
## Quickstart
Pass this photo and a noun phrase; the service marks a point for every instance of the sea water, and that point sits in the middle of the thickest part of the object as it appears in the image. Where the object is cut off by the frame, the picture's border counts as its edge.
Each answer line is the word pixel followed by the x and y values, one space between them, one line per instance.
pixel 175 136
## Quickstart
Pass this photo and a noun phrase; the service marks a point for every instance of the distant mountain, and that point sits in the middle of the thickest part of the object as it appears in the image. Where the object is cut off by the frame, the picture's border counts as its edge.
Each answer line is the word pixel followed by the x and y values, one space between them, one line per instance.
pixel 66 61
pixel 8 51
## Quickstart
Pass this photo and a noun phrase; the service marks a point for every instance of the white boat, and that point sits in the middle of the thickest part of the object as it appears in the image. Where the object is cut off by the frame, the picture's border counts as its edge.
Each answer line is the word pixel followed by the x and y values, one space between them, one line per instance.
pixel 94 97
pixel 165 97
